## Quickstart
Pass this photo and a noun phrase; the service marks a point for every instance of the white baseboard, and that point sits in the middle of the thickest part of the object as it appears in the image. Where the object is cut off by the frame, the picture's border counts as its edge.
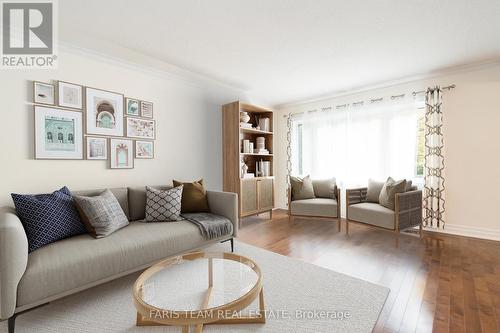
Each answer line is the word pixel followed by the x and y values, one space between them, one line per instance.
pixel 468 231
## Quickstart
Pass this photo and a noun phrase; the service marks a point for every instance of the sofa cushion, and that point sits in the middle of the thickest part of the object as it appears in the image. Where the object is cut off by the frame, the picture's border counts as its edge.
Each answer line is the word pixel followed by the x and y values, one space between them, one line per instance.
pixel 373 190
pixel 314 207
pixel 47 218
pixel 163 206
pixel 325 188
pixel 194 197
pixel 302 188
pixel 83 261
pixel 120 193
pixel 137 200
pixel 372 213
pixel 101 214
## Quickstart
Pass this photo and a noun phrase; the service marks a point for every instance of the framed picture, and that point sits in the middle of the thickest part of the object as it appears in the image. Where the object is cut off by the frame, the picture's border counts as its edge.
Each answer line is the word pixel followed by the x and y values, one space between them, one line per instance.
pixel 140 128
pixel 146 109
pixel 70 95
pixel 131 107
pixel 121 154
pixel 144 149
pixel 104 112
pixel 43 93
pixel 58 134
pixel 96 148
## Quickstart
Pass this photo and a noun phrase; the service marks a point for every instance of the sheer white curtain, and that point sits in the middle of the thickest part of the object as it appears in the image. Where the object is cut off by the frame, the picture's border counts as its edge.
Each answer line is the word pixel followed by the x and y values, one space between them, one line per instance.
pixel 356 143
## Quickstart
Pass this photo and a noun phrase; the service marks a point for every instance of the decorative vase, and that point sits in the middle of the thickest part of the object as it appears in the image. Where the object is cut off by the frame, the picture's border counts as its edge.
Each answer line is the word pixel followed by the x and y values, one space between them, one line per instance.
pixel 244 117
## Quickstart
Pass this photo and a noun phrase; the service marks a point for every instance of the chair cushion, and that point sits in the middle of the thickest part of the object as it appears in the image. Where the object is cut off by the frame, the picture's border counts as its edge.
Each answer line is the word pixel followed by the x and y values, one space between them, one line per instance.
pixel 47 218
pixel 194 197
pixel 302 188
pixel 63 266
pixel 137 200
pixel 325 188
pixel 322 207
pixel 120 193
pixel 373 190
pixel 391 187
pixel 372 213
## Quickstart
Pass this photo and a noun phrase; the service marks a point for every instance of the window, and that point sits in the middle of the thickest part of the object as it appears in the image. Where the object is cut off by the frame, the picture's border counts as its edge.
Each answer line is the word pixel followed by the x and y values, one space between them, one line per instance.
pixel 419 165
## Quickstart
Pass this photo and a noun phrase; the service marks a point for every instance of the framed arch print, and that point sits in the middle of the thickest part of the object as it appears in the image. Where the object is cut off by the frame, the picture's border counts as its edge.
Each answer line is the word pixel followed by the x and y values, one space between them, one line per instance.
pixel 104 112
pixel 121 154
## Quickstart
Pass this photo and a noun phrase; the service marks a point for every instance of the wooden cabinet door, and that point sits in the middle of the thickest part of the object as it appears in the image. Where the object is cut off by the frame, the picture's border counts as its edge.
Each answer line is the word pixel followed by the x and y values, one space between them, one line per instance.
pixel 265 190
pixel 248 199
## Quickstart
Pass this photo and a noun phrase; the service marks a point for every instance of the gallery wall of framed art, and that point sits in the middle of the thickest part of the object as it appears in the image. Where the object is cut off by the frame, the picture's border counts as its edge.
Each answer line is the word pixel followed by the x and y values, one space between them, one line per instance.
pixel 73 121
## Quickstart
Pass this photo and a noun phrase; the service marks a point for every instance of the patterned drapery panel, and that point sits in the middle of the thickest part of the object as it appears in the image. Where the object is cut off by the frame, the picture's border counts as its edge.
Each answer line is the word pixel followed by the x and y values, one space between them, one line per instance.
pixel 288 152
pixel 434 189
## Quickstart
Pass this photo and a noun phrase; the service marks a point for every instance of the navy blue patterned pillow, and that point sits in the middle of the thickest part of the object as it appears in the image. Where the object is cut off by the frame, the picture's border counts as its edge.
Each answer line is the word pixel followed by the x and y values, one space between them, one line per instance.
pixel 48 217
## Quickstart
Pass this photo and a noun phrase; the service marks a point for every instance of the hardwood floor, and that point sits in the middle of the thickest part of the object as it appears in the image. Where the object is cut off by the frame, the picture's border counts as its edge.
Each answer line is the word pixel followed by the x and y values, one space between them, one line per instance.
pixel 440 283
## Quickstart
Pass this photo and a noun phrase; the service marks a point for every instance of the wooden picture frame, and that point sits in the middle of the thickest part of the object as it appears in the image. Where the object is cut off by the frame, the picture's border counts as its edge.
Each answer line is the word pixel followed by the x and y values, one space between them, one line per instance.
pixel 98 155
pixel 104 113
pixel 129 108
pixel 65 141
pixel 140 128
pixel 44 97
pixel 146 109
pixel 70 99
pixel 141 150
pixel 121 153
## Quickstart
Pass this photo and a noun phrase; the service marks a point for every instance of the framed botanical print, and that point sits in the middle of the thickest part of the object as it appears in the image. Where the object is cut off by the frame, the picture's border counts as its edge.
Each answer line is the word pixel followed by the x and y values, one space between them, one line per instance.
pixel 58 134
pixel 104 112
pixel 121 154
pixel 140 128
pixel 43 93
pixel 144 149
pixel 146 109
pixel 131 107
pixel 70 95
pixel 96 148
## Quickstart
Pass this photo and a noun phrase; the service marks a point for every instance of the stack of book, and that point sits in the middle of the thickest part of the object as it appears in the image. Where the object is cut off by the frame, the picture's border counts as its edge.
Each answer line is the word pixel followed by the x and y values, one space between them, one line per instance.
pixel 245 125
pixel 261 151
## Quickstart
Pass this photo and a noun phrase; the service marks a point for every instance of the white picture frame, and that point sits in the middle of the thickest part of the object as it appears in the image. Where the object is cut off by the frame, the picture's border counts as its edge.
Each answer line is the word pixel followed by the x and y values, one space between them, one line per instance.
pixel 140 128
pixel 104 112
pixel 43 93
pixel 121 153
pixel 70 95
pixel 96 148
pixel 144 149
pixel 132 107
pixel 146 109
pixel 58 134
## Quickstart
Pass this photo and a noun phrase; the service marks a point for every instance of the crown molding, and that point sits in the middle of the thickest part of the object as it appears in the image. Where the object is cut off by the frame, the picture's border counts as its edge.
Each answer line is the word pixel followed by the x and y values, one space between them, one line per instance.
pixel 151 66
pixel 394 83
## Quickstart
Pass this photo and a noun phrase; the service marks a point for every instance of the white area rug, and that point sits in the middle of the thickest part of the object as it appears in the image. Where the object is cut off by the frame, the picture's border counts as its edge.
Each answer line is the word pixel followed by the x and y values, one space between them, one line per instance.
pixel 291 288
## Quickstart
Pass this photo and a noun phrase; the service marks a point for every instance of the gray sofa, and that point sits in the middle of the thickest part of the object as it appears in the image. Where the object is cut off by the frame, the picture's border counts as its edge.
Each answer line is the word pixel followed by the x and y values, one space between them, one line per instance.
pixel 77 263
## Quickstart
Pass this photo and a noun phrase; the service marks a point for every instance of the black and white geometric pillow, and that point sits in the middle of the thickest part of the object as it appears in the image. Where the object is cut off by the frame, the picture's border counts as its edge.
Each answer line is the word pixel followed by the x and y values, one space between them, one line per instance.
pixel 163 206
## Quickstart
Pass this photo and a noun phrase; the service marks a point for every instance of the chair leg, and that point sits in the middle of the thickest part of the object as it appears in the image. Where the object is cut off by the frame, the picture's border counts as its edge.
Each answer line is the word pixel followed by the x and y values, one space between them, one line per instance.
pixel 340 224
pixel 232 244
pixel 347 227
pixel 421 232
pixel 290 219
pixel 397 238
pixel 12 324
pixel 271 214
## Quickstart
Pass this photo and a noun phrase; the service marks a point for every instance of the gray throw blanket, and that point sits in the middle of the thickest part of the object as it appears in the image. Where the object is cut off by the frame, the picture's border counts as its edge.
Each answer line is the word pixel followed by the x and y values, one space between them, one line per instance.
pixel 211 226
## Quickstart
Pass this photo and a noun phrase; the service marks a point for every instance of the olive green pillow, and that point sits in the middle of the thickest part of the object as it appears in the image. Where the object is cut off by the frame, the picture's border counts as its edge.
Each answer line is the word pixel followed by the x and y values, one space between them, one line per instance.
pixel 388 193
pixel 302 188
pixel 194 197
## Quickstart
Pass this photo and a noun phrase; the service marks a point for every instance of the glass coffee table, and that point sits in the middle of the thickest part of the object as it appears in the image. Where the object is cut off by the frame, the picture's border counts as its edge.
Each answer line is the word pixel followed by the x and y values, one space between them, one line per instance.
pixel 198 289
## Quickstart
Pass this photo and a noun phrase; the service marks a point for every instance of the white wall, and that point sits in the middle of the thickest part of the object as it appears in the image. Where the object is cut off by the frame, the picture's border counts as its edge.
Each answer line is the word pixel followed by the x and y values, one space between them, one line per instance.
pixel 472 146
pixel 188 116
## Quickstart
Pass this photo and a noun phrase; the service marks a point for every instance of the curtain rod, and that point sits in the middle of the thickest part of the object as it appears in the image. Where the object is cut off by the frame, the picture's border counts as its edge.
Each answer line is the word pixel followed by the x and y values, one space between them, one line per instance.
pixel 372 100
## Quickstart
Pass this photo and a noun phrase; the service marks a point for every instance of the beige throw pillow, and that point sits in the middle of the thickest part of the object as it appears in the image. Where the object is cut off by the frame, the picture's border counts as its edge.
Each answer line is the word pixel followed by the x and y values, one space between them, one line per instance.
pixel 388 193
pixel 374 189
pixel 302 188
pixel 325 188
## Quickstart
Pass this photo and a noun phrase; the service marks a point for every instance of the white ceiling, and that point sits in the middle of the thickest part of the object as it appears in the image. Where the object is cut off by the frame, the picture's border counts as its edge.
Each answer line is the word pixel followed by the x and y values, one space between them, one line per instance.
pixel 288 50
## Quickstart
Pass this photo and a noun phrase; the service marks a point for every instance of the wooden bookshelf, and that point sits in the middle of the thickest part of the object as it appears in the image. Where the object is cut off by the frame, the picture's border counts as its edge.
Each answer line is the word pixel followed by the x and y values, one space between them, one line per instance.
pixel 256 195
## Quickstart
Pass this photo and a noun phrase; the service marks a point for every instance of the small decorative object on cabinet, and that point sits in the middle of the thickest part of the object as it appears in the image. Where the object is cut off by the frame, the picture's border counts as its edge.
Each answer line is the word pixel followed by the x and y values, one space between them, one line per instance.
pixel 241 133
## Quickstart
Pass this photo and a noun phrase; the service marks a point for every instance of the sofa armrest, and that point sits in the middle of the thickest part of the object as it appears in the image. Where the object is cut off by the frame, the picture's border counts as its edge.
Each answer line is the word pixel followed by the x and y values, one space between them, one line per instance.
pixel 408 209
pixel 355 195
pixel 224 204
pixel 13 259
